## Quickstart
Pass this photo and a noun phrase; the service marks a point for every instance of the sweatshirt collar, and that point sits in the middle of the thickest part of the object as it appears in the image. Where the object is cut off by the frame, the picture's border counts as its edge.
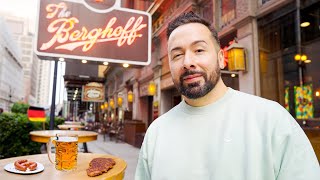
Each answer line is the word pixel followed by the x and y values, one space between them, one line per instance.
pixel 208 108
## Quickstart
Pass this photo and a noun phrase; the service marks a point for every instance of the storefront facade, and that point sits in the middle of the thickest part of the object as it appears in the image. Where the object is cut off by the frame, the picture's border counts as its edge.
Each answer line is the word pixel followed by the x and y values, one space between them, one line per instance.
pixel 295 84
pixel 265 29
pixel 268 31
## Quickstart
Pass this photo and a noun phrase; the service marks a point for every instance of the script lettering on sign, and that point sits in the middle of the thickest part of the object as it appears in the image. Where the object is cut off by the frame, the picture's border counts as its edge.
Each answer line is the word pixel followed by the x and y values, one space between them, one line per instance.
pixel 93 93
pixel 66 36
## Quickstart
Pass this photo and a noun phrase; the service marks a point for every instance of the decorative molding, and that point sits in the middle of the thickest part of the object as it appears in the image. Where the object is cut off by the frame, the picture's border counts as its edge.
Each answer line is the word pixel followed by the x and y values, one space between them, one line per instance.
pixel 236 24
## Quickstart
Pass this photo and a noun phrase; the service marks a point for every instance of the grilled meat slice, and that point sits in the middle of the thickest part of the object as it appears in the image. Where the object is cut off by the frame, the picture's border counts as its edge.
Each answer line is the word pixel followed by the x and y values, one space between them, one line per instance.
pixel 99 166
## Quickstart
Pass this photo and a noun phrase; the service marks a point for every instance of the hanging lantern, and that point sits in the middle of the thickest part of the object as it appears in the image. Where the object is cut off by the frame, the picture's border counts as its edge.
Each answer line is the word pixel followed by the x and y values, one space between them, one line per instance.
pixel 152 88
pixel 120 100
pixel 236 57
pixel 111 103
pixel 106 105
pixel 130 96
pixel 102 107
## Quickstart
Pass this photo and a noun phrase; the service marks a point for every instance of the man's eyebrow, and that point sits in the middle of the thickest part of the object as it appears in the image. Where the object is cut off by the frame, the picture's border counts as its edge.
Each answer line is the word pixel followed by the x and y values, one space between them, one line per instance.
pixel 199 41
pixel 193 43
pixel 176 49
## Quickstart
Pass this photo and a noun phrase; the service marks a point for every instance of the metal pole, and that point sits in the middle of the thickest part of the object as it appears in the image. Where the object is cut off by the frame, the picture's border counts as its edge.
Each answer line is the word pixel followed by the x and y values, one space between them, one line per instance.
pixel 53 101
pixel 298 35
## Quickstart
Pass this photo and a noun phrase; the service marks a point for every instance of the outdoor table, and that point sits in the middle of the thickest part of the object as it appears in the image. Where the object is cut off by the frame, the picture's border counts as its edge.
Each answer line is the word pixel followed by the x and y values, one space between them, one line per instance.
pixel 50 173
pixel 69 126
pixel 45 135
pixel 72 122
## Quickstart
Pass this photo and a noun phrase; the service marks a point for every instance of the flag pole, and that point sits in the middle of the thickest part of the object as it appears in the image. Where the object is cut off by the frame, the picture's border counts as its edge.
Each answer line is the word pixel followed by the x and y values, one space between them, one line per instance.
pixel 53 101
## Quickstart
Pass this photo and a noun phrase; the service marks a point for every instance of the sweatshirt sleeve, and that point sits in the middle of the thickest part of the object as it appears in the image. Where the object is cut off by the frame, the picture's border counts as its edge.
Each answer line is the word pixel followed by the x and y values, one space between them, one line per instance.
pixel 294 157
pixel 142 170
pixel 145 161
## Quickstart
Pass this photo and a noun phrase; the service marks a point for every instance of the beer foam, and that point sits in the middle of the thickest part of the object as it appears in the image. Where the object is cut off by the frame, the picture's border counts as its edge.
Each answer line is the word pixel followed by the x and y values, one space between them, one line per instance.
pixel 67 139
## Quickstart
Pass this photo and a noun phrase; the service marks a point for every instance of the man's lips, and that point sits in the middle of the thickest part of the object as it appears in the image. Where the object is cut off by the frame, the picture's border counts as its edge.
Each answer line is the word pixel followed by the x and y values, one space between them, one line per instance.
pixel 191 78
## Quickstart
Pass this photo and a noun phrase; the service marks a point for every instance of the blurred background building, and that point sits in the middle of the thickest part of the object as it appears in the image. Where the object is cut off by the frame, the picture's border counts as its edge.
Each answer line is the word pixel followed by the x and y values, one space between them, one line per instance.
pixel 37 73
pixel 19 28
pixel 11 69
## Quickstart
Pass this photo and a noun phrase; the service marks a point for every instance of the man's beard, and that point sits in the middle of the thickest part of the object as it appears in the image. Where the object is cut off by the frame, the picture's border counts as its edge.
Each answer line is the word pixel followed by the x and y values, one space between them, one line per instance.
pixel 195 90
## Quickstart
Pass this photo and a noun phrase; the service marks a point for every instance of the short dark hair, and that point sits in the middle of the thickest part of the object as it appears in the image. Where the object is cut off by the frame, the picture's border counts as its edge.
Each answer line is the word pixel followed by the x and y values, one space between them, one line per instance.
pixel 191 17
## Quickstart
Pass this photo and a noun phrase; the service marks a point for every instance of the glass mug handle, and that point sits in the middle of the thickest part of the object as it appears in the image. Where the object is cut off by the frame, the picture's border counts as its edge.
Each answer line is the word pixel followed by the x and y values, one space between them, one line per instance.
pixel 49 144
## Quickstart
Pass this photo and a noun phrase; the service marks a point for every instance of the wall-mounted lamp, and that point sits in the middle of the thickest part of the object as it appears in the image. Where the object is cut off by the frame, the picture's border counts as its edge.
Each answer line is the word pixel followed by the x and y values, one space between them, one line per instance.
pixel 120 100
pixel 152 88
pixel 130 96
pixel 236 57
pixel 111 103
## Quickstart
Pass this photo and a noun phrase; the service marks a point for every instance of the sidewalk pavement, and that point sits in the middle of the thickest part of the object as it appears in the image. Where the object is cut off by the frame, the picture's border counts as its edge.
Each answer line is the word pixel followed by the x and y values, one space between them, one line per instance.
pixel 120 149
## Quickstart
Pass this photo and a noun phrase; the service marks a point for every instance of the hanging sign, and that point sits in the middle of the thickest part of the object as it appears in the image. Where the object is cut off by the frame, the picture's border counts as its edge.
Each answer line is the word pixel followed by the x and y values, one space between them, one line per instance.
pixel 93 92
pixel 93 31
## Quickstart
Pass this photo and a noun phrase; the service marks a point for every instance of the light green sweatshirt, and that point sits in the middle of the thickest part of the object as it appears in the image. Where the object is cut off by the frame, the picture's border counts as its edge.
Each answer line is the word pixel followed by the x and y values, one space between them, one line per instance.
pixel 238 137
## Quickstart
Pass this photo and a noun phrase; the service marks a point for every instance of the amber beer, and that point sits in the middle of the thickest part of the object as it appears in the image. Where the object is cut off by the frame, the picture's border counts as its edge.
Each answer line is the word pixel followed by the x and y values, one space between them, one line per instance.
pixel 66 152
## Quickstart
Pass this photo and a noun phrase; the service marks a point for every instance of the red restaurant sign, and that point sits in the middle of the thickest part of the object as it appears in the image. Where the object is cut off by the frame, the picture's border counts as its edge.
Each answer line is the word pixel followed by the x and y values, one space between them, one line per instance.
pixel 81 30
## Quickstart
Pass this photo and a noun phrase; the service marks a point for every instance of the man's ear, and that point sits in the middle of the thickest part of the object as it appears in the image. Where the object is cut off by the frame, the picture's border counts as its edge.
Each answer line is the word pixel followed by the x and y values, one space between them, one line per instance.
pixel 221 59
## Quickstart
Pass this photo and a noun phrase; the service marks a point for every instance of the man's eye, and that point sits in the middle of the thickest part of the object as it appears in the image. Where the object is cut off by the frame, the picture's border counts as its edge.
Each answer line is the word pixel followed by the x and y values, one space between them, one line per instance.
pixel 199 50
pixel 177 55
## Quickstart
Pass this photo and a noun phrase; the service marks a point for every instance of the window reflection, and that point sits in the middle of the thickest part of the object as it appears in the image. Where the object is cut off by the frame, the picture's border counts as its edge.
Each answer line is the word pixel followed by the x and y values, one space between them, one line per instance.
pixel 280 78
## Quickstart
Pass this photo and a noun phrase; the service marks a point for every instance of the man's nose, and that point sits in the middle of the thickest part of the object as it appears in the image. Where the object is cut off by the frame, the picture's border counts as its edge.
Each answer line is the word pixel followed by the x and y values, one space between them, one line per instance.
pixel 189 61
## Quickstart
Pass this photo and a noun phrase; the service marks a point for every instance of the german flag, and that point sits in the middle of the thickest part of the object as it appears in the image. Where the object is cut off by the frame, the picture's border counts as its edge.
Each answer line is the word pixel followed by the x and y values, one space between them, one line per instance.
pixel 36 114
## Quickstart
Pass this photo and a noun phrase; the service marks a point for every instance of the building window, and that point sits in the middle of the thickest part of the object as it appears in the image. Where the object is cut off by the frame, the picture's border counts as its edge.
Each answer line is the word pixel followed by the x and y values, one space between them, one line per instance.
pixel 26 52
pixel 206 10
pixel 292 83
pixel 16 27
pixel 228 11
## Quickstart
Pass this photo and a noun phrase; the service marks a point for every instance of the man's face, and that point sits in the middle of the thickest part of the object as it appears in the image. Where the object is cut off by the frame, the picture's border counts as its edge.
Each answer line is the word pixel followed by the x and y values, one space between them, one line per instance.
pixel 193 60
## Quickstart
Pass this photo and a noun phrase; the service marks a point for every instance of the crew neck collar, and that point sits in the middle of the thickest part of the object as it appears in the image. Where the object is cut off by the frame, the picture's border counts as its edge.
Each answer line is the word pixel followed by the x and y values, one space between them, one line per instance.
pixel 207 108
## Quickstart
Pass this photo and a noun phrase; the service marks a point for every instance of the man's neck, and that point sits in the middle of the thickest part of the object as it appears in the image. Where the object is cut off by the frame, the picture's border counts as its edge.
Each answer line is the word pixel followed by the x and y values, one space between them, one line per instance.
pixel 216 93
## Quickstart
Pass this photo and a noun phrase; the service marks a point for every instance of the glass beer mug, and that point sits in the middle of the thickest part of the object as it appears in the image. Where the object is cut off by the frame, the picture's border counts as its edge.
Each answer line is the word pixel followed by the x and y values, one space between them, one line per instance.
pixel 66 151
